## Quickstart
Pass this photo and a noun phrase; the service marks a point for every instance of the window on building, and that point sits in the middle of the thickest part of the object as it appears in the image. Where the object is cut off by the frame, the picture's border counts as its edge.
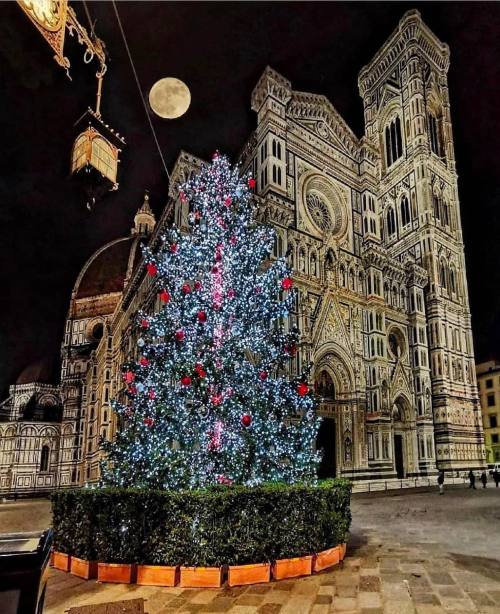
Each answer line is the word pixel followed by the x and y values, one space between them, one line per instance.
pixel 44 460
pixel 494 438
pixel 393 142
pixel 434 134
pixel 489 383
pixel 493 422
pixel 490 400
pixel 391 222
pixel 405 211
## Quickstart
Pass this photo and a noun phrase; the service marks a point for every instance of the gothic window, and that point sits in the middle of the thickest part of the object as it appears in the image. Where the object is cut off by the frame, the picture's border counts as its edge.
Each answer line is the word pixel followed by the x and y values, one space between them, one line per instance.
pixel 442 275
pixel 453 281
pixel 446 214
pixel 302 260
pixel 275 176
pixel 105 416
pixel 393 141
pixel 279 175
pixel 44 460
pixel 434 134
pixel 405 211
pixel 437 207
pixel 391 222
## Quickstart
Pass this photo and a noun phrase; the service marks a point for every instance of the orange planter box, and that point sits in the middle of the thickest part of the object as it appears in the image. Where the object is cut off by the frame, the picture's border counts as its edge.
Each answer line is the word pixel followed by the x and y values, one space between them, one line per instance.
pixel 249 574
pixel 62 561
pixel 157 575
pixel 51 559
pixel 83 569
pixel 116 572
pixel 205 577
pixel 326 559
pixel 291 568
pixel 343 550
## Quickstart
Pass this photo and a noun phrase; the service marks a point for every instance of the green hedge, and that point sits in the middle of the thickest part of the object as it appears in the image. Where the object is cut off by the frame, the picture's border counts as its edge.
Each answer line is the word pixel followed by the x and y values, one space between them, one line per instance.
pixel 222 525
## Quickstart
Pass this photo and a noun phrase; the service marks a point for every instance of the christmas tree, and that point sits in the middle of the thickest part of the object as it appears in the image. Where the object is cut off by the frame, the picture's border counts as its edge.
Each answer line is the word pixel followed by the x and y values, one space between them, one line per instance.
pixel 208 398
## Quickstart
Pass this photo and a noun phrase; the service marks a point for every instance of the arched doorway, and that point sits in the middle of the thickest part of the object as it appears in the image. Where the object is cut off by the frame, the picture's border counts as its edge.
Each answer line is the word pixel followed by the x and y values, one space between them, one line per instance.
pixel 326 439
pixel 400 418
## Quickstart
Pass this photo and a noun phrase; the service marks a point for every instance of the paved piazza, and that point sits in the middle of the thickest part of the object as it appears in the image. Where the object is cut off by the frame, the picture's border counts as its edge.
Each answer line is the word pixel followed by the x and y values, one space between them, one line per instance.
pixel 409 552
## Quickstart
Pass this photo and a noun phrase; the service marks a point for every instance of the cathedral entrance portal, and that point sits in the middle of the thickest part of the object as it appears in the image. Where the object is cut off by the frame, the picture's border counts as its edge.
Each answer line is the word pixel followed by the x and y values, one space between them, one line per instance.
pixel 327 434
pixel 398 456
pixel 325 441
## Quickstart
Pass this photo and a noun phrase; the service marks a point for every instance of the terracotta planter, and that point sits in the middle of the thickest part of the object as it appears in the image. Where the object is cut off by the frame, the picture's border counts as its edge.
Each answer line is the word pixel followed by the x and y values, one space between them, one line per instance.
pixel 122 573
pixel 326 559
pixel 61 561
pixel 291 568
pixel 157 575
pixel 83 569
pixel 343 550
pixel 249 574
pixel 205 577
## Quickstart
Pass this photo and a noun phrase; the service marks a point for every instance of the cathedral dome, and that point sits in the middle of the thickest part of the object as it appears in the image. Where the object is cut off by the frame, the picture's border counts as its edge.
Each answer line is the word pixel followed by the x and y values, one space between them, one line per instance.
pixel 108 268
pixel 41 371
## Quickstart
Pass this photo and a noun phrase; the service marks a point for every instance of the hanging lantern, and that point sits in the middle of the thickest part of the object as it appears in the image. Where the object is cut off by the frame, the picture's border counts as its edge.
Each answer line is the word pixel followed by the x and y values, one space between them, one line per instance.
pixel 94 158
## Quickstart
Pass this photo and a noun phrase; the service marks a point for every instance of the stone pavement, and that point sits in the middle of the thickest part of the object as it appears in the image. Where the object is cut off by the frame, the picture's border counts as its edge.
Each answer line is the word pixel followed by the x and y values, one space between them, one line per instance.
pixel 409 552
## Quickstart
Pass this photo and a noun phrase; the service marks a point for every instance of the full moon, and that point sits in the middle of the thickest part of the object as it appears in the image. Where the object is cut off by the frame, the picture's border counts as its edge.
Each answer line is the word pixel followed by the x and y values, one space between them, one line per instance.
pixel 169 98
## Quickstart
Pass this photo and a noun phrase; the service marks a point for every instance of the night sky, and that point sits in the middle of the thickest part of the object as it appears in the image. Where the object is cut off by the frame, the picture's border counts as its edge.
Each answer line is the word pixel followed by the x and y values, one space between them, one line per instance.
pixel 219 50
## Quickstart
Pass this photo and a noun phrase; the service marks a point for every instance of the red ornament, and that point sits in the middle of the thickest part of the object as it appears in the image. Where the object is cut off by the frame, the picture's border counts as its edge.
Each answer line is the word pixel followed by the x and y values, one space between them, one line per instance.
pixel 263 375
pixel 230 293
pixel 152 270
pixel 144 362
pixel 197 215
pixel 215 155
pixel 173 248
pixel 246 420
pixel 202 316
pixel 152 394
pixel 186 380
pixel 145 323
pixel 149 421
pixel 302 389
pixel 132 389
pixel 287 283
pixel 165 296
pixel 182 197
pixel 228 201
pixel 216 399
pixel 129 377
pixel 215 270
pixel 186 288
pixel 233 240
pixel 200 370
pixel 291 350
pixel 180 334
pixel 197 284
pixel 251 183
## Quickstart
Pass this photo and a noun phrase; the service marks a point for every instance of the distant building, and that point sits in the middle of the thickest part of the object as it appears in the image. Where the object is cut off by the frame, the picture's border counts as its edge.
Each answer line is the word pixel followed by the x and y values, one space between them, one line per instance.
pixel 488 382
pixel 374 233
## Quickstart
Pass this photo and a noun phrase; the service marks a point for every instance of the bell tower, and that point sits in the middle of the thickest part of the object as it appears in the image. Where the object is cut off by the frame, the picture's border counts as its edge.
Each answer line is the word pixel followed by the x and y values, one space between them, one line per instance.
pixel 407 119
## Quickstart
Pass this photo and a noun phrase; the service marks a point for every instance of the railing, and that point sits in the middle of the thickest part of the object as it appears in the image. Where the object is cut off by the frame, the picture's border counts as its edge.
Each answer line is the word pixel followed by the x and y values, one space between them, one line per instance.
pixel 395 484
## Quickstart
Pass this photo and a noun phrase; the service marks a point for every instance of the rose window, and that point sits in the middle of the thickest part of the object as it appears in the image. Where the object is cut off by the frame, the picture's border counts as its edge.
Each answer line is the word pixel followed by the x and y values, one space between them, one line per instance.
pixel 319 211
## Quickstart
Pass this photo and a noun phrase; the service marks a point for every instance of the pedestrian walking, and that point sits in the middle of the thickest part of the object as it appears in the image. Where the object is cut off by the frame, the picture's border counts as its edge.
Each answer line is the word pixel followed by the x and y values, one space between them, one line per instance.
pixel 472 480
pixel 484 479
pixel 496 477
pixel 441 482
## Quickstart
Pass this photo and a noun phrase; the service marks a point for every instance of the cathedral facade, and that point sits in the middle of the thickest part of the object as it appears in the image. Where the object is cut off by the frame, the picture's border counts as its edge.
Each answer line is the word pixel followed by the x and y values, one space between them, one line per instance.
pixel 373 230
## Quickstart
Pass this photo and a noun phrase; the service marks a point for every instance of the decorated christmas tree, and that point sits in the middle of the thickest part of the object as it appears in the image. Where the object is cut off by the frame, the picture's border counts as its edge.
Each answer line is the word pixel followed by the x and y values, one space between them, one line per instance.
pixel 209 398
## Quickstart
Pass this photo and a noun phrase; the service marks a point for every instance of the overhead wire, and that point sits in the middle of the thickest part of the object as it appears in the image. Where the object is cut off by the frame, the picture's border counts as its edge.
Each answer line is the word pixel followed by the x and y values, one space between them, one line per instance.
pixel 139 87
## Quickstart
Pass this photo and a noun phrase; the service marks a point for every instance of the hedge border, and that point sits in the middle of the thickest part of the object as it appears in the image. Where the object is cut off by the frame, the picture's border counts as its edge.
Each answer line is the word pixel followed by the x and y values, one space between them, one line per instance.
pixel 226 525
